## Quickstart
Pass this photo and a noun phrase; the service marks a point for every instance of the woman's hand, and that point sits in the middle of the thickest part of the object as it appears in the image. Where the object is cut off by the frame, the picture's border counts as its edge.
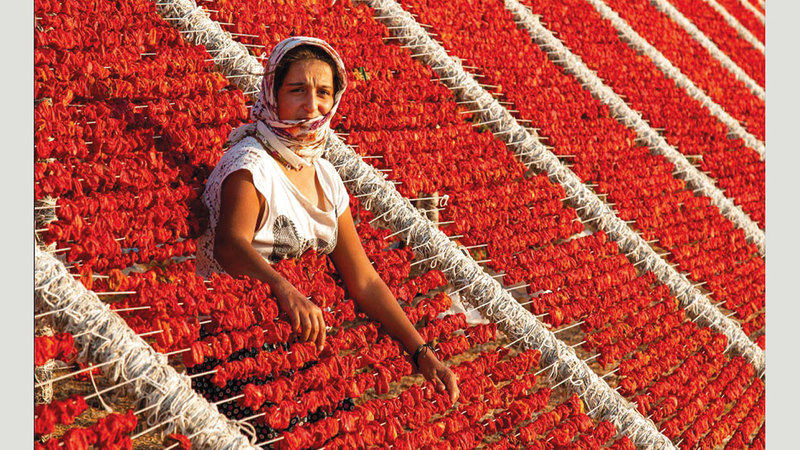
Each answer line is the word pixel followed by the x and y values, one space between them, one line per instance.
pixel 374 298
pixel 435 371
pixel 306 317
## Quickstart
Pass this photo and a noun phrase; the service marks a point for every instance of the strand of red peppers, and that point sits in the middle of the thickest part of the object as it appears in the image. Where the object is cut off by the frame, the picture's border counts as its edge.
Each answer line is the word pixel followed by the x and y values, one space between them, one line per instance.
pixel 735 168
pixel 604 171
pixel 736 25
pixel 695 179
pixel 110 339
pixel 380 196
pixel 676 16
pixel 112 431
pixel 509 386
pixel 710 22
pixel 43 370
pixel 363 427
pixel 533 153
pixel 85 151
pixel 755 11
pixel 329 366
pixel 695 61
pixel 637 42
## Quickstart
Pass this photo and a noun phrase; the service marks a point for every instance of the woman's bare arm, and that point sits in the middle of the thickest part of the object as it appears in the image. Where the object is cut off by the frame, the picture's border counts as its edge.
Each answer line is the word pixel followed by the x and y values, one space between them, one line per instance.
pixel 233 249
pixel 236 228
pixel 377 301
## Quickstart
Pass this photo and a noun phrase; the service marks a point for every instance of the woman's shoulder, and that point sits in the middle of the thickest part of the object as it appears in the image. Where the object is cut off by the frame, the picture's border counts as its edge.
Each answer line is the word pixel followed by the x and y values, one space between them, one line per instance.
pixel 247 146
pixel 248 155
pixel 245 154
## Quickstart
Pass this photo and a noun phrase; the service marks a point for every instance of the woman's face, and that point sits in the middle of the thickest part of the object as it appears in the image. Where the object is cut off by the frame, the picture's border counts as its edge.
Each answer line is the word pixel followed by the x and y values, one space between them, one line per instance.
pixel 307 91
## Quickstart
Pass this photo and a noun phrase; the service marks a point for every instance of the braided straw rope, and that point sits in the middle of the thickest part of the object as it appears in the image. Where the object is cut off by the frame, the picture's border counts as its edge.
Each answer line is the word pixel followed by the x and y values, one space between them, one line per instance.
pixel 480 290
pixel 676 16
pixel 638 43
pixel 693 177
pixel 533 153
pixel 104 337
pixel 743 32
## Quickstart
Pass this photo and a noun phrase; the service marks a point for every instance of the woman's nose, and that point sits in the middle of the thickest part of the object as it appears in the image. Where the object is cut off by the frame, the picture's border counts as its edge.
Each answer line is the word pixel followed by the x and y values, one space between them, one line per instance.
pixel 310 102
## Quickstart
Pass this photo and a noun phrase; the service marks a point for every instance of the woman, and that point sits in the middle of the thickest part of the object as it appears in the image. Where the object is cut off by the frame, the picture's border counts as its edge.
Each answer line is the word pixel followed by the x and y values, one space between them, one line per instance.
pixel 272 196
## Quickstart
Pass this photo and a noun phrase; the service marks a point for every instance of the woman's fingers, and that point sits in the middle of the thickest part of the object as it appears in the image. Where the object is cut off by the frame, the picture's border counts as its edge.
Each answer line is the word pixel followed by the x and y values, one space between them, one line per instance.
pixel 321 334
pixel 438 382
pixel 312 336
pixel 315 330
pixel 294 317
pixel 443 378
pixel 451 381
pixel 306 321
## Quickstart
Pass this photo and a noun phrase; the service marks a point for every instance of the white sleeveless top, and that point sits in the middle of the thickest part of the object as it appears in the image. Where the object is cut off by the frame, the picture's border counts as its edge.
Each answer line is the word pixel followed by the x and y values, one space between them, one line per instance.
pixel 292 224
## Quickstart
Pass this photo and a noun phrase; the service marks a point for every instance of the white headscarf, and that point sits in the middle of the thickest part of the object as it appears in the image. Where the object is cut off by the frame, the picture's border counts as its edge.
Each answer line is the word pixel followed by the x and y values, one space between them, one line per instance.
pixel 298 142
